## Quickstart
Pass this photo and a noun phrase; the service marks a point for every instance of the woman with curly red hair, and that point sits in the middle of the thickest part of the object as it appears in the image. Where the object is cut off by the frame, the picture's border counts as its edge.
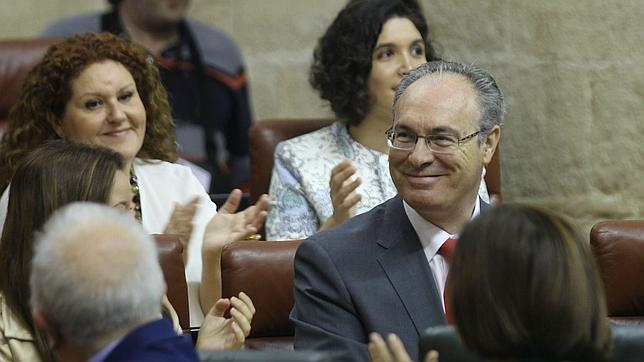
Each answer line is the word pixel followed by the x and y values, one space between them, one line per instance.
pixel 101 90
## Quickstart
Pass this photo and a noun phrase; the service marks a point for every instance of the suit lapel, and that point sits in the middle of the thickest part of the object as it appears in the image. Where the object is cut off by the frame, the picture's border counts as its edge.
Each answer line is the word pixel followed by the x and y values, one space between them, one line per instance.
pixel 405 264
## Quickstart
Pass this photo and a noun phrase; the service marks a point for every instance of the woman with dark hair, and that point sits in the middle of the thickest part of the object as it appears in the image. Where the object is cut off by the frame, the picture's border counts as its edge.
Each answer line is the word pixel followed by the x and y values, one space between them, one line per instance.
pixel 41 185
pixel 523 286
pixel 52 176
pixel 325 177
pixel 101 90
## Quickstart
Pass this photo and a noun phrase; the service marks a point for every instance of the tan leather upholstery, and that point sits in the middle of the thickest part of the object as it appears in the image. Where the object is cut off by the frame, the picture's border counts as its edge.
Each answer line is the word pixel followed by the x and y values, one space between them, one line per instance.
pixel 618 246
pixel 264 271
pixel 17 57
pixel 265 135
pixel 170 250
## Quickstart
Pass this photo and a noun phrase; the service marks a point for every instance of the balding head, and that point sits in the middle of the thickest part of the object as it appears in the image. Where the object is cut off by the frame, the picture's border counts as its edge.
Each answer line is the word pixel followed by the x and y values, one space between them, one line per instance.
pixel 95 273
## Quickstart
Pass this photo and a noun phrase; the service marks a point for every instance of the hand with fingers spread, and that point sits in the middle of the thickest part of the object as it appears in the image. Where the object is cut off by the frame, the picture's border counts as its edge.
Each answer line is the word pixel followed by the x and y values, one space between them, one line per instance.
pixel 228 225
pixel 218 332
pixel 393 350
pixel 224 228
pixel 181 223
pixel 343 193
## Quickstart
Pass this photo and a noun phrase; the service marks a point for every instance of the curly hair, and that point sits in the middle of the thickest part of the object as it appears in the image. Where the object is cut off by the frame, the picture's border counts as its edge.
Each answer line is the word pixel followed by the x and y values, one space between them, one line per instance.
pixel 48 87
pixel 342 57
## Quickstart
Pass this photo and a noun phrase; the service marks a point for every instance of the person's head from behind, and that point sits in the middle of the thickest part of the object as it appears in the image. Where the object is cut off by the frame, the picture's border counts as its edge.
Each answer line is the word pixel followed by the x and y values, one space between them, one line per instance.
pixel 524 284
pixel 94 89
pixel 153 14
pixel 95 277
pixel 364 53
pixel 445 130
pixel 53 175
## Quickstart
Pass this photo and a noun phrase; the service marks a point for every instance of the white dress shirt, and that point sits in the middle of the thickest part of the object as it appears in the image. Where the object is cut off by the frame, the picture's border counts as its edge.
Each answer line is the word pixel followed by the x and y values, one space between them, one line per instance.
pixel 432 238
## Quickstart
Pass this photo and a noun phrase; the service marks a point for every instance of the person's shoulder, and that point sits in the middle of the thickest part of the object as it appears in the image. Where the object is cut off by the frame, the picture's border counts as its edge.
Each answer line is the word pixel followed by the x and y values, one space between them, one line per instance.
pixel 88 23
pixel 325 136
pixel 163 172
pixel 355 235
pixel 218 49
pixel 159 166
pixel 153 341
pixel 10 326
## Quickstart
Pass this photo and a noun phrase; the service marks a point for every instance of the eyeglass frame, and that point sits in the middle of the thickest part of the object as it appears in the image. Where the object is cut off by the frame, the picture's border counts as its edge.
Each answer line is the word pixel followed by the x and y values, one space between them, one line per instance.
pixel 390 135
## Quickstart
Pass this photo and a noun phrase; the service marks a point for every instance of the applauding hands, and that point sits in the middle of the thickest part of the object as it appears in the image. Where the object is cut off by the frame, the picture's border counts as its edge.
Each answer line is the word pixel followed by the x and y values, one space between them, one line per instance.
pixel 224 228
pixel 181 223
pixel 343 194
pixel 228 225
pixel 393 350
pixel 218 332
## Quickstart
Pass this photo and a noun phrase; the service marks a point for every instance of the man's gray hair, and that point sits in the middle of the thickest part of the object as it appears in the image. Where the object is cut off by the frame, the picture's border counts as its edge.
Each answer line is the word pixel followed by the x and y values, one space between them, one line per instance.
pixel 490 97
pixel 95 272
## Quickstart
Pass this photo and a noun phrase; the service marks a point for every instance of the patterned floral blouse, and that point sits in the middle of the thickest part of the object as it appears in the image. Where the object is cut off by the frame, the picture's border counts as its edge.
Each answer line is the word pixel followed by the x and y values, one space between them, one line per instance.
pixel 300 192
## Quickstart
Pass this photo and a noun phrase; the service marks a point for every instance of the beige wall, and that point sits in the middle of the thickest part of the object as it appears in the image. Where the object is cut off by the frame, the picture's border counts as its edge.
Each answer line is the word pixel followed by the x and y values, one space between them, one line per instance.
pixel 571 71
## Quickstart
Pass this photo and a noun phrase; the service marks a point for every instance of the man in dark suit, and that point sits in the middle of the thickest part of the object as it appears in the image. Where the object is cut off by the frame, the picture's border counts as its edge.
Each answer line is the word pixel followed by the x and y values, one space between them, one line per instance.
pixel 97 287
pixel 384 271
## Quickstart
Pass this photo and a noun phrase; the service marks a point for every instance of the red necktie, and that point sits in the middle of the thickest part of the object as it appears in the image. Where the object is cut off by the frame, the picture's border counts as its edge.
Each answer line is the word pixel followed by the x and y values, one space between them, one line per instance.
pixel 447 251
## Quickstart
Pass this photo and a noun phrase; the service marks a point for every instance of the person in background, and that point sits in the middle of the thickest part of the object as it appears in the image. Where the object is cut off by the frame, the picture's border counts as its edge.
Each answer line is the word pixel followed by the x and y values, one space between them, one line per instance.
pixel 384 271
pixel 99 89
pixel 552 308
pixel 323 178
pixel 52 176
pixel 203 72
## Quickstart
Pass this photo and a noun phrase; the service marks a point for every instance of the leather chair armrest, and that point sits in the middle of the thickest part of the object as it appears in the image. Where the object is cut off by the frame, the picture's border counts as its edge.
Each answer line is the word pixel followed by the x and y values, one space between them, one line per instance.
pixel 170 249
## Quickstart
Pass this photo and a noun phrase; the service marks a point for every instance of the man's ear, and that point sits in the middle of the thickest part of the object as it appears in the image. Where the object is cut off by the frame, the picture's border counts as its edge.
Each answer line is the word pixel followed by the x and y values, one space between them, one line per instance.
pixel 54 337
pixel 490 144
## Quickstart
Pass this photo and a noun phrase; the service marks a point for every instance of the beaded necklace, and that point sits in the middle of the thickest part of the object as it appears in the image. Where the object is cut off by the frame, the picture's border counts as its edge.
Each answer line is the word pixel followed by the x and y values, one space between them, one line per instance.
pixel 134 184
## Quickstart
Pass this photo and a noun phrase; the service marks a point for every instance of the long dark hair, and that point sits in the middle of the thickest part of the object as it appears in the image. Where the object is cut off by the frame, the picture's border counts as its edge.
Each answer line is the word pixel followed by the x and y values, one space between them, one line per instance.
pixel 343 55
pixel 53 175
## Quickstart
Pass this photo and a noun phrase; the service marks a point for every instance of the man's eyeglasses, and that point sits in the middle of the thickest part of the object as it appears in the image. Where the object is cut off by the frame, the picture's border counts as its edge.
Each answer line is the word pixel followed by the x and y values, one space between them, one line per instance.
pixel 441 143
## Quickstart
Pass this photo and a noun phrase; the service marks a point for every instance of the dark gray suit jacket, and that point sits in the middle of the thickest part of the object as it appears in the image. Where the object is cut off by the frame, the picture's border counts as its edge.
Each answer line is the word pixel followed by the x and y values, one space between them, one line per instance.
pixel 368 274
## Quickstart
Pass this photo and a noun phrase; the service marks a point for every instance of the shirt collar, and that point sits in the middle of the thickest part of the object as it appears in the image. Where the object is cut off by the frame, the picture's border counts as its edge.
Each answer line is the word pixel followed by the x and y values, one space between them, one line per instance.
pixel 431 236
pixel 103 353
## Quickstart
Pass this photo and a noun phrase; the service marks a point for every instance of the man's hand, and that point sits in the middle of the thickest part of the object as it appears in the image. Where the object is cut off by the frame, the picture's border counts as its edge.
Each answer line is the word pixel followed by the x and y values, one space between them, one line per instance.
pixel 218 332
pixel 343 194
pixel 181 224
pixel 393 350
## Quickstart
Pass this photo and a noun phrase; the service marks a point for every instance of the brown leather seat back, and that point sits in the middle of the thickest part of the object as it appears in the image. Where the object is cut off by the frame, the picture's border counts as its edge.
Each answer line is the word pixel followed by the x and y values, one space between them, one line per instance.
pixel 170 249
pixel 265 135
pixel 17 57
pixel 618 246
pixel 264 271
